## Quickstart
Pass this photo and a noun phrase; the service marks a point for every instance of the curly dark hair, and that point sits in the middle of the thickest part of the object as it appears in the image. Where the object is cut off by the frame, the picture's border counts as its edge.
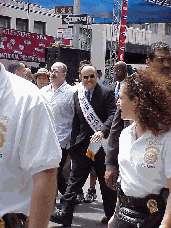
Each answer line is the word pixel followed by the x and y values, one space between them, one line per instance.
pixel 154 103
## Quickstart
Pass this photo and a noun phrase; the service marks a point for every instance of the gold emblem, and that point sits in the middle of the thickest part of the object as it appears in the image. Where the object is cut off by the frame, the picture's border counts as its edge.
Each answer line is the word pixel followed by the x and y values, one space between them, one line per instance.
pixel 2 139
pixel 150 155
pixel 152 205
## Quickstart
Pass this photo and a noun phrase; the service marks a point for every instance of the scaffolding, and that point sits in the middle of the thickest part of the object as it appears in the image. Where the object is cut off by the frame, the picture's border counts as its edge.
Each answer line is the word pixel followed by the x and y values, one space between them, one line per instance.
pixel 114 35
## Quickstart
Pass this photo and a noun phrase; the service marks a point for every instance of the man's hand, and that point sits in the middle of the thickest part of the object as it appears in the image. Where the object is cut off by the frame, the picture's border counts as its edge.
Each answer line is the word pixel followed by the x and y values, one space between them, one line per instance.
pixel 110 223
pixel 111 176
pixel 97 136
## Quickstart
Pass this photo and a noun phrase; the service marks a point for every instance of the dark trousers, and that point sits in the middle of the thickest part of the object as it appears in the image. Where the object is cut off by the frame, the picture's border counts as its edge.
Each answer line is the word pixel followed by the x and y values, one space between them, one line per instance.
pixel 62 183
pixel 81 166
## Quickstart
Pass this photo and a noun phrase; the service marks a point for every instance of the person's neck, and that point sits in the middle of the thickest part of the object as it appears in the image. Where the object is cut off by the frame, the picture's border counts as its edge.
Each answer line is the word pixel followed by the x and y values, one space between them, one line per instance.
pixel 55 86
pixel 139 130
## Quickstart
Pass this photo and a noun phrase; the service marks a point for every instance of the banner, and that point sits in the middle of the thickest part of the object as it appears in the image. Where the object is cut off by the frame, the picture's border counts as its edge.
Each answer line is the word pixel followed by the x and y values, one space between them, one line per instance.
pixel 122 35
pixel 24 46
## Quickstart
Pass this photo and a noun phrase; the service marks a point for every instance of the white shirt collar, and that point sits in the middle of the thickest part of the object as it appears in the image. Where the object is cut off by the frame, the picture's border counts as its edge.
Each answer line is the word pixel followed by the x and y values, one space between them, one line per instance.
pixel 61 87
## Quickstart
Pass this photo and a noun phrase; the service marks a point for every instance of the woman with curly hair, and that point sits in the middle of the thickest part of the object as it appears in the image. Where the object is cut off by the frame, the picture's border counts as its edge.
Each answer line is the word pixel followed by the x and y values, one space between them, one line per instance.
pixel 144 153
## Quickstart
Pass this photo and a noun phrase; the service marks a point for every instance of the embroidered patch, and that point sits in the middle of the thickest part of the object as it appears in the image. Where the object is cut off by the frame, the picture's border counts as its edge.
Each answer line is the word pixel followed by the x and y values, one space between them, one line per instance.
pixel 151 154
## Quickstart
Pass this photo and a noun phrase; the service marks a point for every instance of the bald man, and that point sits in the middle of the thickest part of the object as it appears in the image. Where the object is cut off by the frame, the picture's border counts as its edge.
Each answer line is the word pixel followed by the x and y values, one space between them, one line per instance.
pixel 120 72
pixel 99 98
pixel 59 96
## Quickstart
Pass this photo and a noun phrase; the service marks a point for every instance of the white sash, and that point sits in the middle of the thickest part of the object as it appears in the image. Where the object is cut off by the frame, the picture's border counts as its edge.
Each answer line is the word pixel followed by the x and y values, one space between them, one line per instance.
pixel 92 119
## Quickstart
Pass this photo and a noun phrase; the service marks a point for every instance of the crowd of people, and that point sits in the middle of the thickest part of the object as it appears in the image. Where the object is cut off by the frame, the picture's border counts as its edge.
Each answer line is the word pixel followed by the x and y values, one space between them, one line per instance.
pixel 122 131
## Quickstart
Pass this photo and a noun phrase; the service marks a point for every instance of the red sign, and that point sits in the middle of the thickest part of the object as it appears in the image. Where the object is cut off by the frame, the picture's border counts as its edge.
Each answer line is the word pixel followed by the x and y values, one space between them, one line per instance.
pixel 24 46
pixel 64 9
pixel 121 50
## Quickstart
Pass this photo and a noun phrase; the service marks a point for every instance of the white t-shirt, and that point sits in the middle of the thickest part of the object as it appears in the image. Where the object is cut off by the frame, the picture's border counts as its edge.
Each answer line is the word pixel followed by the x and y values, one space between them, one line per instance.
pixel 61 102
pixel 28 143
pixel 145 163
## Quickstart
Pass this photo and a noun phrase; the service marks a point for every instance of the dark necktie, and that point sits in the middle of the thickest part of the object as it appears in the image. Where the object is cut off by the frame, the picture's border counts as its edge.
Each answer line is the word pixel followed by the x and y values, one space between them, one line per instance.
pixel 117 91
pixel 88 95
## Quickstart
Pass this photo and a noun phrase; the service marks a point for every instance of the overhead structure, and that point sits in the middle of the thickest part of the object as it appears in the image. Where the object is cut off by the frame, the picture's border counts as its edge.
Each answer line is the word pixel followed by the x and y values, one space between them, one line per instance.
pixel 119 29
pixel 114 33
pixel 166 3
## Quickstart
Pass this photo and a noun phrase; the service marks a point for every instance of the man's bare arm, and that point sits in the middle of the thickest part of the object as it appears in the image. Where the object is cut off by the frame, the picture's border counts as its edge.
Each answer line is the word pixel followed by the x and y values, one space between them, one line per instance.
pixel 43 196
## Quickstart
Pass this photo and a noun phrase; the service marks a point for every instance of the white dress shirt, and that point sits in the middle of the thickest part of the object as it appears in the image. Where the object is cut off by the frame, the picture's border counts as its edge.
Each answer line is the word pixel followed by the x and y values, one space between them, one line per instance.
pixel 62 104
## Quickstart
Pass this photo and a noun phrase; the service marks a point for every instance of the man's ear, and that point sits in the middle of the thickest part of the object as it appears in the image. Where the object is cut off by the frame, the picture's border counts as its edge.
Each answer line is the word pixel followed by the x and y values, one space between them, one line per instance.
pixel 80 77
pixel 16 72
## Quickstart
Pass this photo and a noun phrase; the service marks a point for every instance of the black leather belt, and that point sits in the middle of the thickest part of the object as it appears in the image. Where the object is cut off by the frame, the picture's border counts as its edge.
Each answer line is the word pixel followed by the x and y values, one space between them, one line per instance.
pixel 152 203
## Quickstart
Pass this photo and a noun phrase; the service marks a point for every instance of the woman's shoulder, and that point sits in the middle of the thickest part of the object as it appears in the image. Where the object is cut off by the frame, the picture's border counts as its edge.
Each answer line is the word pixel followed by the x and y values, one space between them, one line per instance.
pixel 128 129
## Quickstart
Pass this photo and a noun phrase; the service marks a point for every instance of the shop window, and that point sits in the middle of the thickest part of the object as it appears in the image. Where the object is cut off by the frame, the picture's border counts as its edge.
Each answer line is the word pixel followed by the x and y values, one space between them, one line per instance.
pixel 39 27
pixel 168 29
pixel 22 24
pixel 5 22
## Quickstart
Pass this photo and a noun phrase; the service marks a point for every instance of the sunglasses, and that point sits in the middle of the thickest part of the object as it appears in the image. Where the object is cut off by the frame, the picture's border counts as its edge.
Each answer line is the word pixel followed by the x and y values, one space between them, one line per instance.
pixel 86 76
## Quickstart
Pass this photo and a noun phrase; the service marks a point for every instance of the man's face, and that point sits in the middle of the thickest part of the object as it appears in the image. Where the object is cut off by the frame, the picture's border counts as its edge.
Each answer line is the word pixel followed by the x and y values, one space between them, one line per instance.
pixel 57 75
pixel 28 74
pixel 42 80
pixel 22 71
pixel 119 73
pixel 89 77
pixel 161 62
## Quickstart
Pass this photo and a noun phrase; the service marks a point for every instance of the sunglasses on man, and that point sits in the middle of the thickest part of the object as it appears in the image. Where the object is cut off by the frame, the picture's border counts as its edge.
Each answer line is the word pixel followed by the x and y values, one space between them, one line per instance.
pixel 90 76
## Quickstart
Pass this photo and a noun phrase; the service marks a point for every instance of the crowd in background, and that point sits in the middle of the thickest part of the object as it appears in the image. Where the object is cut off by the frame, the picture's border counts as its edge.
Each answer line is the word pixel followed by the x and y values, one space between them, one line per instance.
pixel 86 119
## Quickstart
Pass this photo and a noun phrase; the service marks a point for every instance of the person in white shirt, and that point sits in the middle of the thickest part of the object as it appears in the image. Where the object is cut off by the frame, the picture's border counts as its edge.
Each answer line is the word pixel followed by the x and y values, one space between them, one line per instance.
pixel 59 97
pixel 144 152
pixel 29 151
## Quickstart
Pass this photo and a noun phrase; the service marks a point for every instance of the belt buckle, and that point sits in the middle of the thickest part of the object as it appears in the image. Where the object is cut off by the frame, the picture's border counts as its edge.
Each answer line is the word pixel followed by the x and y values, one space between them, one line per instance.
pixel 130 202
pixel 152 205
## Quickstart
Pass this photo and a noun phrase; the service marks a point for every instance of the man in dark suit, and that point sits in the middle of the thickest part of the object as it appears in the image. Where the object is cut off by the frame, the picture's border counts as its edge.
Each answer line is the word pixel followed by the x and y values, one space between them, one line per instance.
pixel 103 102
pixel 120 72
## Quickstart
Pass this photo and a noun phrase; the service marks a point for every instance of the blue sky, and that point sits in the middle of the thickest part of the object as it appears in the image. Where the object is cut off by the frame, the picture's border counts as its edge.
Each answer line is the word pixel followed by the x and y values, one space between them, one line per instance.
pixel 138 10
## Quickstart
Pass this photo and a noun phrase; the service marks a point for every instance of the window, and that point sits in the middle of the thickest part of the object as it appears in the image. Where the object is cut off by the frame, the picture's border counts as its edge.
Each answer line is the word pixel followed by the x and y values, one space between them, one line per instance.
pixel 168 29
pixel 147 26
pixel 22 24
pixel 39 27
pixel 4 22
pixel 156 28
pixel 143 26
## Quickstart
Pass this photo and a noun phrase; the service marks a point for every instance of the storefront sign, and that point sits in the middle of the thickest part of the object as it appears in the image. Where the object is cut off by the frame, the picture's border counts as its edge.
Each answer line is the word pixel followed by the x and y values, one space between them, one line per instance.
pixel 24 46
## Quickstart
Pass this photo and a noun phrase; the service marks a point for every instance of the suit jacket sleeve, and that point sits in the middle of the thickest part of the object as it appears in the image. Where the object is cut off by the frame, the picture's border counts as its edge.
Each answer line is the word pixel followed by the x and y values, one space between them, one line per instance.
pixel 109 111
pixel 75 124
pixel 113 142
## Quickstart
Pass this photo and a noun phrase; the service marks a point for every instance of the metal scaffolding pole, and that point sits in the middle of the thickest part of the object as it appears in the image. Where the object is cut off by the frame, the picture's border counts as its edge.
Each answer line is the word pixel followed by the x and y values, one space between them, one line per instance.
pixel 114 33
pixel 76 26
